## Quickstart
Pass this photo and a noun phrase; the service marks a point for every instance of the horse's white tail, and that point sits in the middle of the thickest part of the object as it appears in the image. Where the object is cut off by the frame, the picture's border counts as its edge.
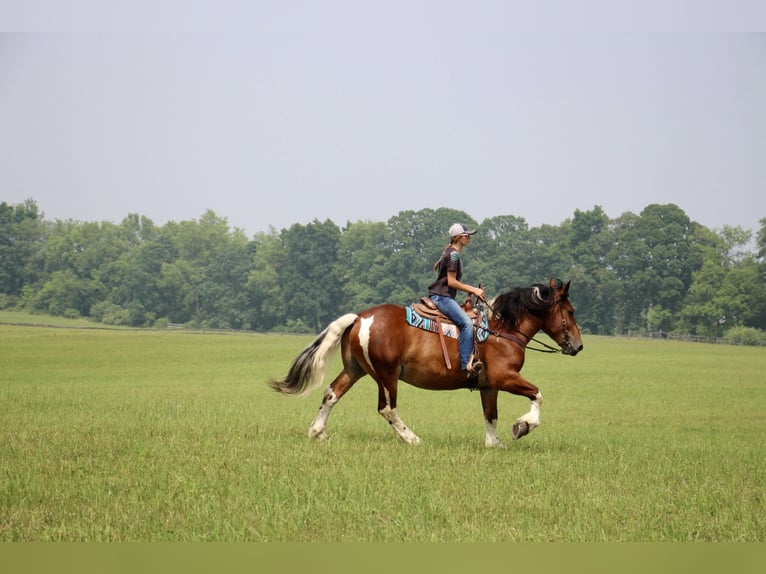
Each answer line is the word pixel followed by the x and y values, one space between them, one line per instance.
pixel 308 370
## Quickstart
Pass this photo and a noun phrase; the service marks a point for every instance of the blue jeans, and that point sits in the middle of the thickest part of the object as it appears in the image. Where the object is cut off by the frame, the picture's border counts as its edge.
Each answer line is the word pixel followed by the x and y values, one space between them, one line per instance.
pixel 454 311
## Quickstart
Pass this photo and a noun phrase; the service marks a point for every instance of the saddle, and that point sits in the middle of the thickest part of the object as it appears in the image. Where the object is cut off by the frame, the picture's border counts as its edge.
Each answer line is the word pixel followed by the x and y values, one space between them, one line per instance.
pixel 427 308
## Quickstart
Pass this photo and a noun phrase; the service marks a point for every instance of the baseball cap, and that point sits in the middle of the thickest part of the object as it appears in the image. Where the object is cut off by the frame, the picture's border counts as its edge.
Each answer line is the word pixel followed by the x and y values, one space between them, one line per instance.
pixel 460 229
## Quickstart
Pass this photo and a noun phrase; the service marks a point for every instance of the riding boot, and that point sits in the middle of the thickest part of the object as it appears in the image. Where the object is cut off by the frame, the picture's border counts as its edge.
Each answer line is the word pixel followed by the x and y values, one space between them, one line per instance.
pixel 474 366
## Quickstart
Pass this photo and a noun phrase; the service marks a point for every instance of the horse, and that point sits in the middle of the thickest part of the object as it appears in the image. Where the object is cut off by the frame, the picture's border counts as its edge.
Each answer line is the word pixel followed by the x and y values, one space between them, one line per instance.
pixel 379 342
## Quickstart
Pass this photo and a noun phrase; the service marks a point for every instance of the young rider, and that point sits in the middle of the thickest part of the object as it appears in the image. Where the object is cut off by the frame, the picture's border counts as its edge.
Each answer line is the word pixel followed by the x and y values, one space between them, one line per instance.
pixel 445 288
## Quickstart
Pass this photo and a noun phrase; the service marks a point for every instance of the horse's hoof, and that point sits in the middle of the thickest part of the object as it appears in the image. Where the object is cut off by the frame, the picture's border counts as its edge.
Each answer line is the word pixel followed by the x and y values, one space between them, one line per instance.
pixel 520 429
pixel 497 444
pixel 318 435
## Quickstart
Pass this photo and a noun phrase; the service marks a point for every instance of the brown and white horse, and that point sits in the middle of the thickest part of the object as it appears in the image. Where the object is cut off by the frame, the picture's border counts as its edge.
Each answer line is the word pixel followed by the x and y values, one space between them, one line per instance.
pixel 379 342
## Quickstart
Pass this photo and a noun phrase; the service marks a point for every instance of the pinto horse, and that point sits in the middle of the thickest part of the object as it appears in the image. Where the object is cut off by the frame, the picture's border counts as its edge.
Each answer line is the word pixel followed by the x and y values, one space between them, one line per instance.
pixel 379 342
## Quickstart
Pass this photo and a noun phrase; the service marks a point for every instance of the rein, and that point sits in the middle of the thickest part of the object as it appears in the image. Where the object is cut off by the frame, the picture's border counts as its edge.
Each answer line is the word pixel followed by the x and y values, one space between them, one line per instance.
pixel 515 339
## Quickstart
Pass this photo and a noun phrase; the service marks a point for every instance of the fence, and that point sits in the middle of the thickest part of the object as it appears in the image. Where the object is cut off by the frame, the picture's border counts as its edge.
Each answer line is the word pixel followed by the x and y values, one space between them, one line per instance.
pixel 687 337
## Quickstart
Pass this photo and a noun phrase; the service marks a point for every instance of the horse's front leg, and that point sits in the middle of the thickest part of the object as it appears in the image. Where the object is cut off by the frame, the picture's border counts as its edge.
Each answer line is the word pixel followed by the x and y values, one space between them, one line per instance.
pixel 518 385
pixel 529 421
pixel 489 406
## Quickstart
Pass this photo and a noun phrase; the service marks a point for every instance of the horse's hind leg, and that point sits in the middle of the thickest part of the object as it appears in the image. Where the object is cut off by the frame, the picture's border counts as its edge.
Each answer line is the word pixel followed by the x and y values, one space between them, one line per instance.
pixel 387 409
pixel 332 395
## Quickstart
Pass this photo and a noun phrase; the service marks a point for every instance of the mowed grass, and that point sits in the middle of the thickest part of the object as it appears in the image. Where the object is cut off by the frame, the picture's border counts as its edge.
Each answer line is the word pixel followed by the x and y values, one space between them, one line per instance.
pixel 174 436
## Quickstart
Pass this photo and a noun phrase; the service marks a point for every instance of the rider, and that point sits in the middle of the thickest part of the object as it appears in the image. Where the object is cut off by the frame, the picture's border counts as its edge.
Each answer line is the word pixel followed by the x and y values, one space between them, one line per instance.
pixel 444 289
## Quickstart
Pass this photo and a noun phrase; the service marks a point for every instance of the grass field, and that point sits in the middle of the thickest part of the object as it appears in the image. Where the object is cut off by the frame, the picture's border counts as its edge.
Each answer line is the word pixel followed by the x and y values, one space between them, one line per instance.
pixel 109 435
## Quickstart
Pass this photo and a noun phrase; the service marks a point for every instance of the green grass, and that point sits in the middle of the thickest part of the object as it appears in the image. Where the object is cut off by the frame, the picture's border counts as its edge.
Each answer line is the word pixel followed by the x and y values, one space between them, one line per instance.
pixel 26 318
pixel 152 436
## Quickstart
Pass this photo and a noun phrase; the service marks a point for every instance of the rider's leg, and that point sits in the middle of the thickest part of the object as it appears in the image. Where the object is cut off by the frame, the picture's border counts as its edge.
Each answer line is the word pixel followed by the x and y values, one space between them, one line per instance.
pixel 454 311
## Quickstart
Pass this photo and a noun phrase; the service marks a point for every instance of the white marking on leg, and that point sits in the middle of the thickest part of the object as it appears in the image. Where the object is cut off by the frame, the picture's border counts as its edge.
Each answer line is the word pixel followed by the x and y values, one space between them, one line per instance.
pixel 532 418
pixel 398 425
pixel 491 438
pixel 317 428
pixel 364 339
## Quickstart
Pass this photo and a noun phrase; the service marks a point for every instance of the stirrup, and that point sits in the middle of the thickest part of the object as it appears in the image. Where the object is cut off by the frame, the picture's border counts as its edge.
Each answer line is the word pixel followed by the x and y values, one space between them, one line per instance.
pixel 474 366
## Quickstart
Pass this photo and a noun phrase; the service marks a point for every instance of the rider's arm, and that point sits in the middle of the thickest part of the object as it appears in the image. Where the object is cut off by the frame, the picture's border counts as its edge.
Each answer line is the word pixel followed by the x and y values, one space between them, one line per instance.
pixel 455 284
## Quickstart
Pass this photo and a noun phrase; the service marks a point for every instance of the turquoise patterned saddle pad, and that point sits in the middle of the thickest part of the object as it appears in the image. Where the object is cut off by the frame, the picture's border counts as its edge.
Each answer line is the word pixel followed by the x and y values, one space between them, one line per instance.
pixel 449 329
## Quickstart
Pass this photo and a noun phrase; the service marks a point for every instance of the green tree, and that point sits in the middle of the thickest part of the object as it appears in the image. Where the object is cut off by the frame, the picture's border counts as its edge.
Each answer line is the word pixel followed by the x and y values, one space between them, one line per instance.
pixel 590 239
pixel 726 291
pixel 76 260
pixel 761 240
pixel 735 243
pixel 206 282
pixel 21 234
pixel 264 288
pixel 550 252
pixel 501 252
pixel 138 272
pixel 364 265
pixel 226 280
pixel 310 273
pixel 654 257
pixel 64 294
pixel 656 270
pixel 759 311
pixel 129 281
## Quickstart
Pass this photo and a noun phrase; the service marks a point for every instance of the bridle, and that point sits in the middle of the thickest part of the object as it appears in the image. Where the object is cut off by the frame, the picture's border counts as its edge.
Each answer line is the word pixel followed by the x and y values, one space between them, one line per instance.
pixel 529 338
pixel 566 344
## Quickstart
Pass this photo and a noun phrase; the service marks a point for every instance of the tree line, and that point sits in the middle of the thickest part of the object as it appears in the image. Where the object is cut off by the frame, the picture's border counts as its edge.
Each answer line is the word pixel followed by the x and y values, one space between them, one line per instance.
pixel 655 270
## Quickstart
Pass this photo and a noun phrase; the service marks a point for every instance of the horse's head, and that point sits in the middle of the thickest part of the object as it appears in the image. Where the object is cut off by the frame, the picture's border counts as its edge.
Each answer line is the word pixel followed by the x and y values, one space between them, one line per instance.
pixel 560 324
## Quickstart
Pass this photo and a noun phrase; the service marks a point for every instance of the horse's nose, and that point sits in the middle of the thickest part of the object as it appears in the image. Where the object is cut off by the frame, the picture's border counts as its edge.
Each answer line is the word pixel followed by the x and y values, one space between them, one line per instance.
pixel 572 351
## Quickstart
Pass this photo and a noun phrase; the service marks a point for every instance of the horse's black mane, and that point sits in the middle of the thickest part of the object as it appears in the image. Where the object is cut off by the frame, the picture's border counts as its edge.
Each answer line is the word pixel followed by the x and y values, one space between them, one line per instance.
pixel 536 300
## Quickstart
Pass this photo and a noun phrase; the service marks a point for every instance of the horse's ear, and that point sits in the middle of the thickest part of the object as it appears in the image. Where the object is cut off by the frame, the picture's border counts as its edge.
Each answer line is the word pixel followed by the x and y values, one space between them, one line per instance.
pixel 556 284
pixel 566 288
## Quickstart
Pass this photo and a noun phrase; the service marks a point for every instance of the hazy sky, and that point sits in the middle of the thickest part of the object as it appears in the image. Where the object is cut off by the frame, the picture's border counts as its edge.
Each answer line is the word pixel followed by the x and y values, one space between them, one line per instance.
pixel 274 113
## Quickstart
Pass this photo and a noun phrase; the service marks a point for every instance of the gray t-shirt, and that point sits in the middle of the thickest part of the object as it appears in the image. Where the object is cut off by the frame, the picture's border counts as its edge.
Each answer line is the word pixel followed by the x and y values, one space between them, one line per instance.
pixel 450 261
